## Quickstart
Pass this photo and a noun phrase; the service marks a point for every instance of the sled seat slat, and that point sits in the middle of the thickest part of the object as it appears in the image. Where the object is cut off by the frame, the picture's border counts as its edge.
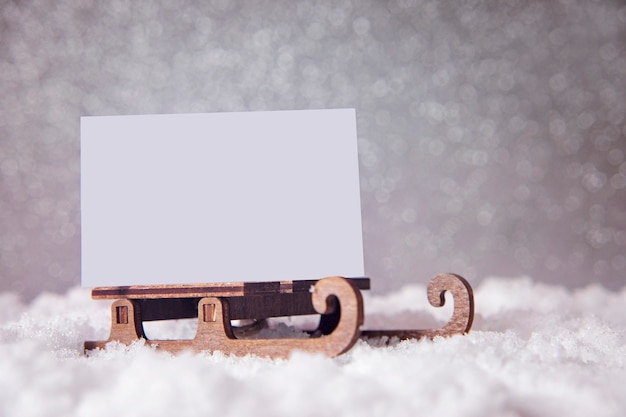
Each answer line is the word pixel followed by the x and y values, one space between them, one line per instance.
pixel 221 289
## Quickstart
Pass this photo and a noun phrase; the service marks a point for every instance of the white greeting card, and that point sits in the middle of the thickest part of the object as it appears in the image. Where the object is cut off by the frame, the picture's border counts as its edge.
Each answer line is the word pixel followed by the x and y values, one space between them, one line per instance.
pixel 220 197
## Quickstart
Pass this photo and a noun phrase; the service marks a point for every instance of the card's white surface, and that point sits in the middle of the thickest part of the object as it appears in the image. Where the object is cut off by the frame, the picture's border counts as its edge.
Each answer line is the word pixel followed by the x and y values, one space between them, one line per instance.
pixel 220 197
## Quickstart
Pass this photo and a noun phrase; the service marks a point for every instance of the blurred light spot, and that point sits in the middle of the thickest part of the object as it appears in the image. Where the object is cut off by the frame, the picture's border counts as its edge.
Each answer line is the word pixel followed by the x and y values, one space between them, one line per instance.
pixel 380 88
pixel 396 85
pixel 524 256
pixel 558 37
pixel 377 181
pixel 598 238
pixel 487 128
pixel 608 52
pixel 608 95
pixel 416 156
pixel 455 134
pixel 602 143
pixel 552 263
pixel 451 113
pixel 9 167
pixel 67 231
pixel 477 178
pixel 382 196
pixel 285 60
pixel 441 77
pixel 485 215
pixel 451 226
pixel 502 156
pixel 554 212
pixel 436 147
pixel 433 111
pixel 506 82
pixel 558 82
pixel 597 213
pixel 615 156
pixel 311 72
pixel 361 26
pixel 448 186
pixel 338 16
pixel 415 109
pixel 573 170
pixel 572 202
pixel 618 262
pixel 585 120
pixel 618 181
pixel 594 181
pixel 468 94
pixel 399 146
pixel 475 157
pixel 571 143
pixel 517 124
pixel 409 215
pixel 55 270
pixel 412 239
pixel 616 114
pixel 454 205
pixel 522 193
pixel 600 267
pixel 383 118
pixel 524 168
pixel 576 259
pixel 316 30
pixel 429 250
pixel 557 127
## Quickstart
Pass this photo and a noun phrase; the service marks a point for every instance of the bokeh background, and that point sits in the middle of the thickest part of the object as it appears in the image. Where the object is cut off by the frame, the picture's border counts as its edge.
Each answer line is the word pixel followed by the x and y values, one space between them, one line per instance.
pixel 492 134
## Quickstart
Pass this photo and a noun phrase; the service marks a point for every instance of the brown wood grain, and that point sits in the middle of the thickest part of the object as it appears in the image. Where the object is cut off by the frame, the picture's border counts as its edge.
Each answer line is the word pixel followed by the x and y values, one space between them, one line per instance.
pixel 462 316
pixel 215 333
pixel 337 299
pixel 219 289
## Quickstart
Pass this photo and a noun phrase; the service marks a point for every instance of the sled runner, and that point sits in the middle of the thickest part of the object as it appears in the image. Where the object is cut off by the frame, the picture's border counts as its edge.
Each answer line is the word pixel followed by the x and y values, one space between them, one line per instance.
pixel 462 315
pixel 338 300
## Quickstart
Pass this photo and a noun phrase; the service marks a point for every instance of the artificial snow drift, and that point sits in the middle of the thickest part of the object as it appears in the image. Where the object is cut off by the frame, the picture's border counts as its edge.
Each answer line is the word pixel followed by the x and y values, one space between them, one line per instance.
pixel 535 350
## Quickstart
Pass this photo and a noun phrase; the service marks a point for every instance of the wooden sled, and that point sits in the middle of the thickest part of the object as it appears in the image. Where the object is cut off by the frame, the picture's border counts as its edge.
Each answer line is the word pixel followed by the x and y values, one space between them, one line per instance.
pixel 338 300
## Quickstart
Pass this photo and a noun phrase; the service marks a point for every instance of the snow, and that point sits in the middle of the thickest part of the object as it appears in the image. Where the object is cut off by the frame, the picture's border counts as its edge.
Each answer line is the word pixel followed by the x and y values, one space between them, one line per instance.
pixel 491 142
pixel 535 350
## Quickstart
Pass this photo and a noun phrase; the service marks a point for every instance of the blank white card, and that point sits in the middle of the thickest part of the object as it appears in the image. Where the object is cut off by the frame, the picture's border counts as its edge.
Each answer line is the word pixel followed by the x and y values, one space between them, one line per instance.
pixel 220 197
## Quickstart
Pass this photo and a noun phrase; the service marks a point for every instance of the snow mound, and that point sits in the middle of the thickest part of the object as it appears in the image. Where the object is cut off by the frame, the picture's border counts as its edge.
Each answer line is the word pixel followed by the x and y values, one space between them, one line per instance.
pixel 534 350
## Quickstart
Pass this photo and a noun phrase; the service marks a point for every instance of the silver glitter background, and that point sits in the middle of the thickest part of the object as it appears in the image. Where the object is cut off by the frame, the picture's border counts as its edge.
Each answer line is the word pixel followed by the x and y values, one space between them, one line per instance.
pixel 492 135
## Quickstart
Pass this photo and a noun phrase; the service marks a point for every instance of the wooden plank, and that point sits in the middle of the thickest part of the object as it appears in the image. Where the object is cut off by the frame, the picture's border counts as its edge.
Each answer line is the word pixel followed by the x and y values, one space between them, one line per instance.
pixel 225 289
pixel 247 307
pixel 168 308
pixel 272 305
pixel 168 291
